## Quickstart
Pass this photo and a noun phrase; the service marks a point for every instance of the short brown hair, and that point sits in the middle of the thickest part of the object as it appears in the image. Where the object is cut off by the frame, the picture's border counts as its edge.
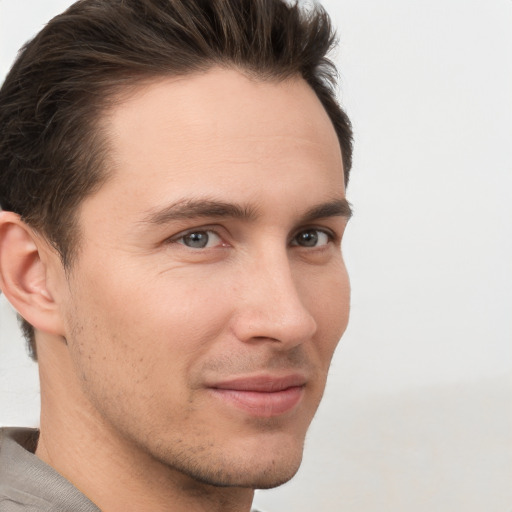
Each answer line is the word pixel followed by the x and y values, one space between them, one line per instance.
pixel 51 150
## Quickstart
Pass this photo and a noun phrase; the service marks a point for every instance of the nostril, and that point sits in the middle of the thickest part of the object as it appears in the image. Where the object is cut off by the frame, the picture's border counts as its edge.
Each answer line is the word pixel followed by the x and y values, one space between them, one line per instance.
pixel 265 338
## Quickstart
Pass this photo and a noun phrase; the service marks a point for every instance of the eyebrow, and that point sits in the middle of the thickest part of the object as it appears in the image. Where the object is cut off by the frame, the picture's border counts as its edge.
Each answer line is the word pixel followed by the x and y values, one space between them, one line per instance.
pixel 195 208
pixel 335 208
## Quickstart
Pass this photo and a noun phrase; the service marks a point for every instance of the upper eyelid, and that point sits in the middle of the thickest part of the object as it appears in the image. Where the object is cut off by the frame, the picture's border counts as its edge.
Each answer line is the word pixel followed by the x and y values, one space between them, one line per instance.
pixel 185 232
pixel 328 231
pixel 178 240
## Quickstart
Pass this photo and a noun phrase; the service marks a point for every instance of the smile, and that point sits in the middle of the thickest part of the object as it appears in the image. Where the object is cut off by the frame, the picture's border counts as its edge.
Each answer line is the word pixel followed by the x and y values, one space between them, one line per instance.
pixel 262 396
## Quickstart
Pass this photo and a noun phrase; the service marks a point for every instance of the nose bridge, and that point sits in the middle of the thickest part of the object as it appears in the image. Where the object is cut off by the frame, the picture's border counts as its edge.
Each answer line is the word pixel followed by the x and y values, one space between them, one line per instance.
pixel 272 306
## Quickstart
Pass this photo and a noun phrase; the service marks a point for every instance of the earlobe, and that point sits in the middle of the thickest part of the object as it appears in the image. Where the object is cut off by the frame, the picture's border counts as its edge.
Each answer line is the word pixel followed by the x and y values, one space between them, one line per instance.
pixel 24 276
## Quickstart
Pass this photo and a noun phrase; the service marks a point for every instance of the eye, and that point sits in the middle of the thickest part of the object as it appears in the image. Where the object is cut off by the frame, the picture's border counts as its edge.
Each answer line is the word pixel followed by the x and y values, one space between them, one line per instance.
pixel 200 239
pixel 311 238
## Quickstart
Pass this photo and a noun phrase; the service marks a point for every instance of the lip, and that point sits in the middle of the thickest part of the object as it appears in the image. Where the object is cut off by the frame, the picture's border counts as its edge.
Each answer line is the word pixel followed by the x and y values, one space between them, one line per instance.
pixel 264 396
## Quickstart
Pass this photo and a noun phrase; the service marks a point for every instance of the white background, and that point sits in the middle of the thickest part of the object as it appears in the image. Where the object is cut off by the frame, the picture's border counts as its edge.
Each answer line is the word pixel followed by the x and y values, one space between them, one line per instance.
pixel 418 411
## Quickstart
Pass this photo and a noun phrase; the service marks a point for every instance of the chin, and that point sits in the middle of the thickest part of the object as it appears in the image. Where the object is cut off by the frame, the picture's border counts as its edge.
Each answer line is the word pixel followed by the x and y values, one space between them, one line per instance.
pixel 276 479
pixel 258 467
pixel 248 475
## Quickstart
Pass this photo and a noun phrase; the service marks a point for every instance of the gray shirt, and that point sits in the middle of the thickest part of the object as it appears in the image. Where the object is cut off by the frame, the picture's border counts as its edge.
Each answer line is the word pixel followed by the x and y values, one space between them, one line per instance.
pixel 28 484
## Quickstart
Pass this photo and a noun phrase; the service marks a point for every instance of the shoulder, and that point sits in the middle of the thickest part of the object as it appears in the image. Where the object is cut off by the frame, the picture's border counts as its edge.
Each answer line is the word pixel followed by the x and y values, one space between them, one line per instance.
pixel 28 484
pixel 12 453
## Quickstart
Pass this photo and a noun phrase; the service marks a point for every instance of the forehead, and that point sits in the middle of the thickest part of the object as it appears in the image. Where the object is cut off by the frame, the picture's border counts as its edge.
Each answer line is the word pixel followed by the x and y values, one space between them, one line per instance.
pixel 219 129
pixel 222 99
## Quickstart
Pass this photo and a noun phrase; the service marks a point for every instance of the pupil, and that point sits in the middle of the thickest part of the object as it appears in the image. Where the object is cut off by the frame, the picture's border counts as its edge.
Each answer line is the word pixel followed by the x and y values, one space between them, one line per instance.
pixel 196 240
pixel 309 238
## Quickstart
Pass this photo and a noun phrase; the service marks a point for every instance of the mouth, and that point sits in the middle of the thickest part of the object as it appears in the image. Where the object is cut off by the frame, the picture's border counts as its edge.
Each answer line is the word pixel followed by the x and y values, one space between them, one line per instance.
pixel 264 396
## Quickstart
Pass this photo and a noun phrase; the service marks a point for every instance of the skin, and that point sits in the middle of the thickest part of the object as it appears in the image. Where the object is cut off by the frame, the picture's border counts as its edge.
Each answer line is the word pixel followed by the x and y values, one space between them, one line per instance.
pixel 144 324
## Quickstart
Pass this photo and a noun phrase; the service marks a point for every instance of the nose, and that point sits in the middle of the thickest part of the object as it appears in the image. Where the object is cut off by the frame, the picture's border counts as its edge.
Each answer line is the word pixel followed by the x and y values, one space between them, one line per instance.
pixel 271 304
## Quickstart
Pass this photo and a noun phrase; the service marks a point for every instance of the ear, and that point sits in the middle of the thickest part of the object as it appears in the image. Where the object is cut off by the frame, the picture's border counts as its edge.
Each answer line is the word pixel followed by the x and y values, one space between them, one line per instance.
pixel 24 259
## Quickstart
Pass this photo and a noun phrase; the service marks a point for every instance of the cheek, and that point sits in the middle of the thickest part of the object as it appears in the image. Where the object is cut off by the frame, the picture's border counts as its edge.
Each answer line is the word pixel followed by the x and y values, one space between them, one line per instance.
pixel 329 303
pixel 164 320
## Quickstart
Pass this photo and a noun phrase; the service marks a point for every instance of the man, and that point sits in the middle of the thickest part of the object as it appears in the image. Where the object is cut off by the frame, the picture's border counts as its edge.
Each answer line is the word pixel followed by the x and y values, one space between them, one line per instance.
pixel 172 180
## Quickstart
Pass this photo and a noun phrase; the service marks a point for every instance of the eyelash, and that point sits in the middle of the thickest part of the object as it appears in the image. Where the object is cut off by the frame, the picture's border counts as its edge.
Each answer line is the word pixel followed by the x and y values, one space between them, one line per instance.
pixel 178 239
pixel 197 231
pixel 331 237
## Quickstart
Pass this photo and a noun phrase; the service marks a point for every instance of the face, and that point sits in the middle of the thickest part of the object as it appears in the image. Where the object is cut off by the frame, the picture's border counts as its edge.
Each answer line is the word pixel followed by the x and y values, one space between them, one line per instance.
pixel 209 291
